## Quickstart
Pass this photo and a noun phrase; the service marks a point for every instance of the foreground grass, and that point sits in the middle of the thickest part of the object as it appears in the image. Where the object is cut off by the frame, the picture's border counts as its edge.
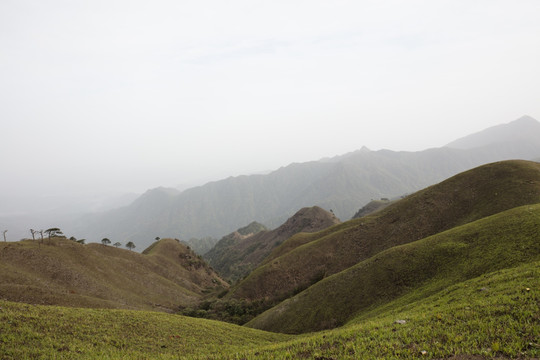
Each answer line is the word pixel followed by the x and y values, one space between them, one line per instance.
pixel 495 315
pixel 32 331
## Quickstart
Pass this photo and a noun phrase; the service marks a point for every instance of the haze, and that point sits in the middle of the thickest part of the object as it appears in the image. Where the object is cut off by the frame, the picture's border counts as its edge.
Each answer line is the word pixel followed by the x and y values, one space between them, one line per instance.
pixel 109 97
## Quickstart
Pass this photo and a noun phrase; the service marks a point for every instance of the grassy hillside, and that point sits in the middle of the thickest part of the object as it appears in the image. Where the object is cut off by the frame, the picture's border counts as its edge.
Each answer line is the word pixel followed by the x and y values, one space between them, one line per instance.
pixel 235 255
pixel 224 256
pixel 421 268
pixel 372 207
pixel 32 331
pixel 470 292
pixel 469 196
pixel 63 272
pixel 493 316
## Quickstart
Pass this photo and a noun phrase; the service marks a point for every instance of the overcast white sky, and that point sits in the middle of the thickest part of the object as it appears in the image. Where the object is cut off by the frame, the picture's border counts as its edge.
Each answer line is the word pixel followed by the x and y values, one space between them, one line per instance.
pixel 125 95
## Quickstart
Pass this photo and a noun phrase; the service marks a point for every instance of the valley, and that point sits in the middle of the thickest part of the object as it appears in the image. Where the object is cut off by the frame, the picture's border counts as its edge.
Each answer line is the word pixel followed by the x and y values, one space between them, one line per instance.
pixel 289 180
pixel 491 316
pixel 451 270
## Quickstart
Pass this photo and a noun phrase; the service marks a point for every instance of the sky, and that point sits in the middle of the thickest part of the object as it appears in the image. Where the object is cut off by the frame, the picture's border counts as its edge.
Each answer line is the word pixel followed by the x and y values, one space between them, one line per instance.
pixel 117 96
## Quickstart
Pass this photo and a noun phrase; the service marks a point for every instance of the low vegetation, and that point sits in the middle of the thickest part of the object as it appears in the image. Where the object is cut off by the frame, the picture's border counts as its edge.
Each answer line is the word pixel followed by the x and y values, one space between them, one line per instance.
pixel 452 271
pixel 462 199
pixel 64 272
pixel 372 207
pixel 420 268
pixel 237 254
pixel 226 256
pixel 34 331
pixel 230 310
pixel 496 315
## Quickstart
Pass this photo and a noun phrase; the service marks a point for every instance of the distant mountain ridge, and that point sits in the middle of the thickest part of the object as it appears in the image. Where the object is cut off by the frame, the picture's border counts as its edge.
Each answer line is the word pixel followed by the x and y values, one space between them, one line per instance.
pixel 343 183
pixel 235 256
pixel 523 129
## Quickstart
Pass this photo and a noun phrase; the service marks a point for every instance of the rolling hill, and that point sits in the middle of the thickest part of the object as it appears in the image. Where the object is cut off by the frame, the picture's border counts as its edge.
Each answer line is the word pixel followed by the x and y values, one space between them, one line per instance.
pixel 421 268
pixel 495 315
pixel 307 258
pixel 452 271
pixel 371 207
pixel 63 272
pixel 236 255
pixel 343 184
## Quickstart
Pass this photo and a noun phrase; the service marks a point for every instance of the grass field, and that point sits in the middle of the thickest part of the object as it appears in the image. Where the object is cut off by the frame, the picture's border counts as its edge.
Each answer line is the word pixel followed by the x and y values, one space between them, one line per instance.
pixel 428 280
pixel 417 269
pixel 494 315
pixel 37 331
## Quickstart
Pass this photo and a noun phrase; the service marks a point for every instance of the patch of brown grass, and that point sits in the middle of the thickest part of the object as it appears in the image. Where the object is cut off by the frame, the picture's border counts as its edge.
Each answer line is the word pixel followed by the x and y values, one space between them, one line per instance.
pixel 63 272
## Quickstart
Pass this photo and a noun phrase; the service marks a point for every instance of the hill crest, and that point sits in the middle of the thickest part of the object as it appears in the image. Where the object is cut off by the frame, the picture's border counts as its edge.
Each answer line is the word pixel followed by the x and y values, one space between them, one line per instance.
pixel 464 198
pixel 420 268
pixel 235 256
pixel 63 272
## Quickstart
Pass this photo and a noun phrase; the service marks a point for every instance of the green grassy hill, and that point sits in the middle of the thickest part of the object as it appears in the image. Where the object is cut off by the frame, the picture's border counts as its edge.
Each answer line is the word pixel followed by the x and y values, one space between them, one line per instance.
pixel 51 332
pixel 419 269
pixel 372 207
pixel 495 315
pixel 63 272
pixel 224 256
pixel 452 271
pixel 303 260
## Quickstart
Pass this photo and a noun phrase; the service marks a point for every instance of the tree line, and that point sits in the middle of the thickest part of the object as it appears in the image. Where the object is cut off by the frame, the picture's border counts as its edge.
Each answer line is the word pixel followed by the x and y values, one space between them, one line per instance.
pixel 56 232
pixel 130 245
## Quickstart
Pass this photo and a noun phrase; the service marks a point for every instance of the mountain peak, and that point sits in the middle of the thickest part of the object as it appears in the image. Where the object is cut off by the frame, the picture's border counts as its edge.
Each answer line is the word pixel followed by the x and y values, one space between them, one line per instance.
pixel 253 228
pixel 235 255
pixel 525 128
pixel 525 119
pixel 157 195
pixel 164 190
pixel 309 218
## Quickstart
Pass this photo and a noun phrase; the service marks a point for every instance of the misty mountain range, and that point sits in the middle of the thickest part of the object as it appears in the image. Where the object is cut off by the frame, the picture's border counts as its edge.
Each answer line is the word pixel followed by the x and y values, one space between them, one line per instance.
pixel 342 184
